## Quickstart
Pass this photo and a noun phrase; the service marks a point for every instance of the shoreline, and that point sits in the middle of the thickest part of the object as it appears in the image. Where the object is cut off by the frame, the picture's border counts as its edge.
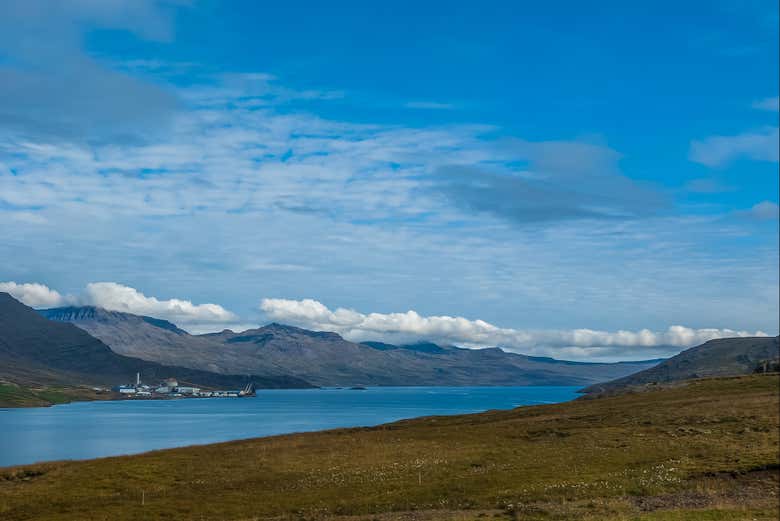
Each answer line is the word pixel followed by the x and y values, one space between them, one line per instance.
pixel 275 414
pixel 14 396
pixel 78 394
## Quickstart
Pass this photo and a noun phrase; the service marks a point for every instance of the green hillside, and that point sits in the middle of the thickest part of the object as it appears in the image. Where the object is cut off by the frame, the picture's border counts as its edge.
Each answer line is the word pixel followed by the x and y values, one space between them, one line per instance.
pixel 12 395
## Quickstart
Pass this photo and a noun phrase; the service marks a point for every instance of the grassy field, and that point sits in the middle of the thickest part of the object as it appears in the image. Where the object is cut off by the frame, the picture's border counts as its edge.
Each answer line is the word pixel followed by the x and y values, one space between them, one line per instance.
pixel 704 451
pixel 12 395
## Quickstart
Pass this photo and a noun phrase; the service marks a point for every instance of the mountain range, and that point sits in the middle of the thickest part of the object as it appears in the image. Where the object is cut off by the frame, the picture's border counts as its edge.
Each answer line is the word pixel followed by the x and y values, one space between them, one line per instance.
pixel 38 351
pixel 92 345
pixel 721 357
pixel 327 359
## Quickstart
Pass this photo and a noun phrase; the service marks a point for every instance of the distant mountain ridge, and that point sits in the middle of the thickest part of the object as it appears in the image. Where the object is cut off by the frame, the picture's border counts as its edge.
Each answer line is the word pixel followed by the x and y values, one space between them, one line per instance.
pixel 38 351
pixel 327 359
pixel 421 347
pixel 721 357
pixel 76 313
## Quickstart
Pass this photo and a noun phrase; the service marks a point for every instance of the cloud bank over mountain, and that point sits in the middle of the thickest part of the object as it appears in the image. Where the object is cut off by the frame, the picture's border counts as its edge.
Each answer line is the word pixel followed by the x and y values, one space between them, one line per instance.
pixel 117 297
pixel 36 295
pixel 411 326
pixel 110 295
pixel 407 327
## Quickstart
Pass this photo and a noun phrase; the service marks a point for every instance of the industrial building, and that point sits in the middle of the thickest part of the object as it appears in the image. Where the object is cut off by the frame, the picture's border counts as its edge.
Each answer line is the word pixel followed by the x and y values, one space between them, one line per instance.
pixel 170 388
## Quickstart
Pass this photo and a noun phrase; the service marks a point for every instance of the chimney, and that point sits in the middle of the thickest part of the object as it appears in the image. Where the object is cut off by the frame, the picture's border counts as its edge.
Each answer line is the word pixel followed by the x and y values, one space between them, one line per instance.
pixel 137 379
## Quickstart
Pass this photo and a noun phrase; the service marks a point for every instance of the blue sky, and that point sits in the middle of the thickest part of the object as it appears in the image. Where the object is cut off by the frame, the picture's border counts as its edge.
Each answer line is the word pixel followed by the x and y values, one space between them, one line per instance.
pixel 544 169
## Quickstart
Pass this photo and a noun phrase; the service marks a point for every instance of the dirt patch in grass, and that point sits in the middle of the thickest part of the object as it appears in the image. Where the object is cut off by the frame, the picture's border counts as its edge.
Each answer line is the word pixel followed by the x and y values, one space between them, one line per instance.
pixel 758 488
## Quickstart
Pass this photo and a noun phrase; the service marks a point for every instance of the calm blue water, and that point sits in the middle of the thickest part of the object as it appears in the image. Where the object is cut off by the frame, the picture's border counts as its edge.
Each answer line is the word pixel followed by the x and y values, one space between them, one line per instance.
pixel 94 429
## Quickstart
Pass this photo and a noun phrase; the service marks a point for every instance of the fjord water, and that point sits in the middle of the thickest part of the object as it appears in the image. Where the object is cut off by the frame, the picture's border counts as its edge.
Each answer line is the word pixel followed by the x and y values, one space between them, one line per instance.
pixel 94 429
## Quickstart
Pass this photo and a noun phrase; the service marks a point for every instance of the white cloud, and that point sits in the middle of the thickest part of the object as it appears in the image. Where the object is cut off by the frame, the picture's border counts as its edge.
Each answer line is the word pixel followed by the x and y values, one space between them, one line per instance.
pixel 110 295
pixel 331 206
pixel 721 150
pixel 35 295
pixel 771 104
pixel 390 327
pixel 117 297
pixel 410 326
pixel 765 210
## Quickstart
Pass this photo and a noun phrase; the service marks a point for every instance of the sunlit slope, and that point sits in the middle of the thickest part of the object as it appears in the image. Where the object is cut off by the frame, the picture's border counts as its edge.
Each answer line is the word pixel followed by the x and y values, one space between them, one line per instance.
pixel 721 357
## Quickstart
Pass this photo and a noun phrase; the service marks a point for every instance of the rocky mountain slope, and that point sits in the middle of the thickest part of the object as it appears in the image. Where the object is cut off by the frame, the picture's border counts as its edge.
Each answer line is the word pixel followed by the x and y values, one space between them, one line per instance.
pixel 152 339
pixel 326 359
pixel 723 357
pixel 37 351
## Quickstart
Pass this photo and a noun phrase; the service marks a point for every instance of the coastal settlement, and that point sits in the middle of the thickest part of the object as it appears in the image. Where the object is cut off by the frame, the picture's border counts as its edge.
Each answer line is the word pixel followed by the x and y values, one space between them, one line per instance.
pixel 170 388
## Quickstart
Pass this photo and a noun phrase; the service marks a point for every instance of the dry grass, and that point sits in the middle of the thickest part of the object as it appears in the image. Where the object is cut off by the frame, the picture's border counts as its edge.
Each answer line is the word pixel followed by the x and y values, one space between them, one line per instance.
pixel 705 451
